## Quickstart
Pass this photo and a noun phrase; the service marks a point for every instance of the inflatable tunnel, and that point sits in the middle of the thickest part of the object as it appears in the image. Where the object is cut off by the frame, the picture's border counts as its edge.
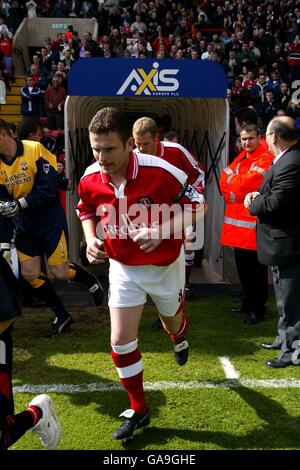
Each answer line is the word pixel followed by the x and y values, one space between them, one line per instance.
pixel 190 94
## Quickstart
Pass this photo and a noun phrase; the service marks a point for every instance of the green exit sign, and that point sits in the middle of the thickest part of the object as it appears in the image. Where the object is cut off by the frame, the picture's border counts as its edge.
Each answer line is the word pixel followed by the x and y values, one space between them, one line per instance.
pixel 60 26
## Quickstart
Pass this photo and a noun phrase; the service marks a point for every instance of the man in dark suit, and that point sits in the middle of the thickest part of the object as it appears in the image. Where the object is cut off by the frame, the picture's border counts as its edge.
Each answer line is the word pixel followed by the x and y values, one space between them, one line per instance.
pixel 278 234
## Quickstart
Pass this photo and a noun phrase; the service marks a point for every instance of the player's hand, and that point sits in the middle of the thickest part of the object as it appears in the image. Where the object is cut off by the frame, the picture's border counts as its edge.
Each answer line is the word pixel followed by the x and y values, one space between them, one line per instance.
pixel 94 253
pixel 9 208
pixel 147 239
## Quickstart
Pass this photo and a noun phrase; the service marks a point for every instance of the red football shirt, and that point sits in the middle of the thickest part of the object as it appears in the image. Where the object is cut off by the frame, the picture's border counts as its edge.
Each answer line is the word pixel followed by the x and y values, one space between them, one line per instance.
pixel 180 157
pixel 151 187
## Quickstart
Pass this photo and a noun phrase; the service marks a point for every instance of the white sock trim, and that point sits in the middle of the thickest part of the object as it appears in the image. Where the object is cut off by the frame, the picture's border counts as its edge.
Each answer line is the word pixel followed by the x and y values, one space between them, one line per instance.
pixel 23 203
pixel 125 348
pixel 189 258
pixel 130 371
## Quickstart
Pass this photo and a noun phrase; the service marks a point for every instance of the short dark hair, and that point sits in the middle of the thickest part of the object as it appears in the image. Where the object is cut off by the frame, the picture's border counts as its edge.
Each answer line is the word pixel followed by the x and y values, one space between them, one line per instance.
pixel 284 129
pixel 111 119
pixel 4 127
pixel 246 116
pixel 26 126
pixel 250 127
pixel 12 126
pixel 171 134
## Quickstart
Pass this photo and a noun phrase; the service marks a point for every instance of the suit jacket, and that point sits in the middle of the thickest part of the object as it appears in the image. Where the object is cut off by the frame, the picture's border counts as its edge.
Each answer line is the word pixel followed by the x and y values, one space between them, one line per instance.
pixel 278 211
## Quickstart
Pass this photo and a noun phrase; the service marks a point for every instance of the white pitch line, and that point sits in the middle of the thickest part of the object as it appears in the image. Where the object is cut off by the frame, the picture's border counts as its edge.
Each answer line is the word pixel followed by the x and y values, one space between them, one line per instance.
pixel 153 386
pixel 229 370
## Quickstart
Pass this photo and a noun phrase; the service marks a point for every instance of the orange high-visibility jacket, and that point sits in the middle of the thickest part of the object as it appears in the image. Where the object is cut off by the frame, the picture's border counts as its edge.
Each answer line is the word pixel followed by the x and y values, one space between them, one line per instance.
pixel 242 176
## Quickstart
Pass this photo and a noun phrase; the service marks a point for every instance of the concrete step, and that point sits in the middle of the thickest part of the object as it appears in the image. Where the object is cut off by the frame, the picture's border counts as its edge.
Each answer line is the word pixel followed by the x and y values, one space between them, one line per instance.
pixel 11 117
pixel 10 108
pixel 19 81
pixel 13 99
pixel 14 90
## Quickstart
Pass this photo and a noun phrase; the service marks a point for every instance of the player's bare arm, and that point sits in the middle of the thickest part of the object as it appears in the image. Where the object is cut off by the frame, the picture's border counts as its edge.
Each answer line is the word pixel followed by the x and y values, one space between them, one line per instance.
pixel 94 253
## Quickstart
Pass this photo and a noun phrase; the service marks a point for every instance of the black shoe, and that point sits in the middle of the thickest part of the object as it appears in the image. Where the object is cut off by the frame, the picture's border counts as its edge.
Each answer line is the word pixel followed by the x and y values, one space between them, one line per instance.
pixel 237 294
pixel 269 346
pixel 157 324
pixel 97 291
pixel 59 326
pixel 253 318
pixel 188 292
pixel 132 422
pixel 278 363
pixel 240 309
pixel 181 352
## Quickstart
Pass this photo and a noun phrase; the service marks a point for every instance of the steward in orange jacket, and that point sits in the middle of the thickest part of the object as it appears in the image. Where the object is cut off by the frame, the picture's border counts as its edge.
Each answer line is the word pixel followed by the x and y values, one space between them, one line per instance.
pixel 245 174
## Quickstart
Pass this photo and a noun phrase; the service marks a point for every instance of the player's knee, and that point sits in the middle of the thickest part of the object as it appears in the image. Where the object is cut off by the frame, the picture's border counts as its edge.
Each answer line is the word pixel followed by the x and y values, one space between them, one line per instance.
pixel 122 343
pixel 61 276
pixel 60 273
pixel 30 274
pixel 171 324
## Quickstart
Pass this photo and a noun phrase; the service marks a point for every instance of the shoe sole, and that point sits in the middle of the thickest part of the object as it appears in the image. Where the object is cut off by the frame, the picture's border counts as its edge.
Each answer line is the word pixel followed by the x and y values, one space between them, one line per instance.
pixel 54 443
pixel 282 366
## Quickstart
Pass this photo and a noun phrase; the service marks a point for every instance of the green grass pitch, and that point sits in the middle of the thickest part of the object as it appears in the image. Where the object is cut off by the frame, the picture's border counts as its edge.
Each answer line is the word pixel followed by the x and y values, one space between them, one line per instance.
pixel 196 418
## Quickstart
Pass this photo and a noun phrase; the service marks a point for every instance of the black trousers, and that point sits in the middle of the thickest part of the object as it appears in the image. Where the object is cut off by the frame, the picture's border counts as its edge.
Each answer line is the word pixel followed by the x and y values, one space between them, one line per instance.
pixel 55 120
pixel 254 280
pixel 286 280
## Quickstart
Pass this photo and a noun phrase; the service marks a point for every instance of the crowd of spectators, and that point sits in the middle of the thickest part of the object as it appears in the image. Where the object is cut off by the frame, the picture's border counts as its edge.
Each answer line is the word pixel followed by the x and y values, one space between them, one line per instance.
pixel 256 42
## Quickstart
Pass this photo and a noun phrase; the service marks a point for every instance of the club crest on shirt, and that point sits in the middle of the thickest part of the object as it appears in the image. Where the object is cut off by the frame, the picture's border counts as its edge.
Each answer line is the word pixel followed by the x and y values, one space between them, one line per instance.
pixel 24 165
pixel 145 202
pixel 46 167
pixel 193 195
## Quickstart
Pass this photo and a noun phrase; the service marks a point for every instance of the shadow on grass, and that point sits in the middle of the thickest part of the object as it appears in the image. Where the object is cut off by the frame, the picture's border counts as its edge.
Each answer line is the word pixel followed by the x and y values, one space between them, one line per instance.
pixel 278 430
pixel 213 329
pixel 112 403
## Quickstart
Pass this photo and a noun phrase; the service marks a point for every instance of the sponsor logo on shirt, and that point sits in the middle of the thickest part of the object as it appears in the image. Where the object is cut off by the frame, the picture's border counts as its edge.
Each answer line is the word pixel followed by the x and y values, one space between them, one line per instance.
pixel 46 167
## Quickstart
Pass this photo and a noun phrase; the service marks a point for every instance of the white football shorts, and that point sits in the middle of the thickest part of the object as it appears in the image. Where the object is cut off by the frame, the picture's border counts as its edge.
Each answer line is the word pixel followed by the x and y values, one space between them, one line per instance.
pixel 129 285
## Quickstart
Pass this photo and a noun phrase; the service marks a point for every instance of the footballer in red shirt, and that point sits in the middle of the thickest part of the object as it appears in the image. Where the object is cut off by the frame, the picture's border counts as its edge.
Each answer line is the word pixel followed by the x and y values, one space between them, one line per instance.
pixel 124 207
pixel 146 137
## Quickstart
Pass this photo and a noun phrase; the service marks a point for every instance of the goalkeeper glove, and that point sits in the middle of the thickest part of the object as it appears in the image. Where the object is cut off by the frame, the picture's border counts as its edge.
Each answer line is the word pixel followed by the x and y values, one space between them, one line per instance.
pixel 9 208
